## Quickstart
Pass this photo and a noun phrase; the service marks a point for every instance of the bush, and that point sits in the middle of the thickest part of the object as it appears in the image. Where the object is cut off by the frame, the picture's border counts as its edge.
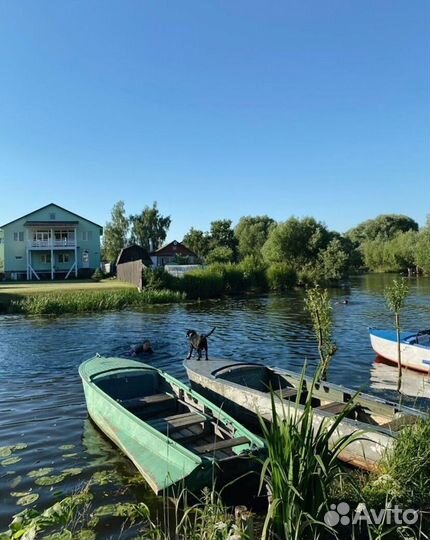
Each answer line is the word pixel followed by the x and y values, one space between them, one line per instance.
pixel 254 272
pixel 281 276
pixel 158 278
pixel 204 283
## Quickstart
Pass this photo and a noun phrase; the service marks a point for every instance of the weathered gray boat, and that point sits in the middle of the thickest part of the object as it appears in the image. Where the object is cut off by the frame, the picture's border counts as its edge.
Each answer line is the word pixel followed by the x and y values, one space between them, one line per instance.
pixel 244 390
pixel 172 434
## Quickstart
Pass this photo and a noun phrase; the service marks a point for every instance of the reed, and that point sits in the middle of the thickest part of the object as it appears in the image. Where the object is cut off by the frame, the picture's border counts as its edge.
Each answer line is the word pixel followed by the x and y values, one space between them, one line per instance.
pixel 90 301
pixel 300 469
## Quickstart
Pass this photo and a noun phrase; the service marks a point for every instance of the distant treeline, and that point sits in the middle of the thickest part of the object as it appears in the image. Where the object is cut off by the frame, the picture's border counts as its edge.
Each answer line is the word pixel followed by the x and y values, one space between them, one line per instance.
pixel 388 243
pixel 303 247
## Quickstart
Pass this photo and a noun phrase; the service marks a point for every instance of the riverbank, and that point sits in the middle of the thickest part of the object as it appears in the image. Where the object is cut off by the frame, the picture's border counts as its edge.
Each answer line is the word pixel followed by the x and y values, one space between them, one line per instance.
pixel 79 297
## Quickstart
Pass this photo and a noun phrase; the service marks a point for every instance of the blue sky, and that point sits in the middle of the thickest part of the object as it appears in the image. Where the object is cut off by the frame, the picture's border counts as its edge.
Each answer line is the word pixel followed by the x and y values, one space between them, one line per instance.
pixel 216 109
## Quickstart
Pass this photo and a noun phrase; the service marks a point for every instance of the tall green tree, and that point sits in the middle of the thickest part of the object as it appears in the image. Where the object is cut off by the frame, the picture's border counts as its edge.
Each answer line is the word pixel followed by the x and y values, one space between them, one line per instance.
pixel 334 261
pixel 222 235
pixel 198 241
pixel 115 232
pixel 251 233
pixel 149 228
pixel 395 296
pixel 383 227
pixel 296 241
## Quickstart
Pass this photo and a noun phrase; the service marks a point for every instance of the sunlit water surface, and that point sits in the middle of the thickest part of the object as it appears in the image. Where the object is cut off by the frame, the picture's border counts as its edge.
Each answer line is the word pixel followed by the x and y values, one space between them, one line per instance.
pixel 42 403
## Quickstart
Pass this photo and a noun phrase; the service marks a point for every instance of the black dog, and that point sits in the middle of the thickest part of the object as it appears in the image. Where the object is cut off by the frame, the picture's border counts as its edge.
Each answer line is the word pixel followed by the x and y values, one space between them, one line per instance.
pixel 199 342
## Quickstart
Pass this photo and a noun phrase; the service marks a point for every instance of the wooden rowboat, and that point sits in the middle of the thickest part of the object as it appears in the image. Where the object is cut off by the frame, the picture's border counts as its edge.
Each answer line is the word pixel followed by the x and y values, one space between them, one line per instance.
pixel 414 347
pixel 172 434
pixel 243 390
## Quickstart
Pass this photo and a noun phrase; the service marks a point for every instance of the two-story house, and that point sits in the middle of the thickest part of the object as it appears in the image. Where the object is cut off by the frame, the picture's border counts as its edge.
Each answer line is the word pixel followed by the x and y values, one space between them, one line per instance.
pixel 49 243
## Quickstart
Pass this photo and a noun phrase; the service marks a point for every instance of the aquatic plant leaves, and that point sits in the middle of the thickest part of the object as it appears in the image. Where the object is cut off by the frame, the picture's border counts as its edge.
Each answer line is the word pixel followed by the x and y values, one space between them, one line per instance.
pixel 19 493
pixel 10 461
pixel 5 451
pixel 101 478
pixel 27 499
pixel 67 456
pixel 20 446
pixel 50 480
pixel 73 471
pixel 66 446
pixel 131 511
pixel 63 535
pixel 85 534
pixel 15 482
pixel 37 473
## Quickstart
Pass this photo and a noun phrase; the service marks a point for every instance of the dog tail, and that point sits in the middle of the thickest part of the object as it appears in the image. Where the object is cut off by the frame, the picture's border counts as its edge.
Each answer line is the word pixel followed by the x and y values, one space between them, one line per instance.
pixel 211 332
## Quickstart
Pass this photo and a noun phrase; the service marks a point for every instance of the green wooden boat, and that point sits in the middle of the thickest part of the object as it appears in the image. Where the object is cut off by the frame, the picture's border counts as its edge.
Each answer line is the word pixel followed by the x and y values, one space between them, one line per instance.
pixel 173 435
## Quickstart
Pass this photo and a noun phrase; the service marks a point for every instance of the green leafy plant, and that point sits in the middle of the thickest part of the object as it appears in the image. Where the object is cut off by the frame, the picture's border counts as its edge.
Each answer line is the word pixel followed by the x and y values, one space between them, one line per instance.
pixel 319 307
pixel 301 467
pixel 395 296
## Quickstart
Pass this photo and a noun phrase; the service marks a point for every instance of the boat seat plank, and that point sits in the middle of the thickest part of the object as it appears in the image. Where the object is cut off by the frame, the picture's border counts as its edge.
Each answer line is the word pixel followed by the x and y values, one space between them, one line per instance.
pixel 397 423
pixel 336 407
pixel 137 402
pixel 177 422
pixel 220 445
pixel 286 393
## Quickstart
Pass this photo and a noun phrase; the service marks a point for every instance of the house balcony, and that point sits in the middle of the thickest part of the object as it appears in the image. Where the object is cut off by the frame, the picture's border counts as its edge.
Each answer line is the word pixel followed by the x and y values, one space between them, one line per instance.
pixel 65 243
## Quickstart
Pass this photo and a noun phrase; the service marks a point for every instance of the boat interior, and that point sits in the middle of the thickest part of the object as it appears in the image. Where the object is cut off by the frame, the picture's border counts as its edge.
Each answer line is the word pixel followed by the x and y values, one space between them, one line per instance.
pixel 173 412
pixel 327 399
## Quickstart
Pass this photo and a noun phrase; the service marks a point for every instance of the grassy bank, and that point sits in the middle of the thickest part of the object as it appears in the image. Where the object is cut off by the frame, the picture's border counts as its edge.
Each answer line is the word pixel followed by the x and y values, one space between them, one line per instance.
pixel 80 298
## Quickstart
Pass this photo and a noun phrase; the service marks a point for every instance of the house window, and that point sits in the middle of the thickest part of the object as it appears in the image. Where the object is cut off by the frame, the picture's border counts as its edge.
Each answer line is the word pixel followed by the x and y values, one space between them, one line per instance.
pixel 18 236
pixel 87 235
pixel 40 236
pixel 18 257
pixel 63 257
pixel 45 258
pixel 52 215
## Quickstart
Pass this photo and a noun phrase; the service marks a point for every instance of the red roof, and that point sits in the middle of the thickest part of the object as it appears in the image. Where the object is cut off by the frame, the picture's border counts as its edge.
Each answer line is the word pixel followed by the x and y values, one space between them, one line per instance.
pixel 172 249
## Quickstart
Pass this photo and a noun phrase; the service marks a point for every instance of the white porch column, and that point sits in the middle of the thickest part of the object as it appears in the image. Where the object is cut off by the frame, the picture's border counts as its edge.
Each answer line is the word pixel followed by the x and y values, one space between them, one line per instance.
pixel 51 241
pixel 76 252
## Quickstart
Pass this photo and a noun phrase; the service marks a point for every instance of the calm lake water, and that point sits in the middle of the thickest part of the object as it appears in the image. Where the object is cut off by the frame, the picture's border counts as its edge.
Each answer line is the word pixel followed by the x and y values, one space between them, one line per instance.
pixel 42 404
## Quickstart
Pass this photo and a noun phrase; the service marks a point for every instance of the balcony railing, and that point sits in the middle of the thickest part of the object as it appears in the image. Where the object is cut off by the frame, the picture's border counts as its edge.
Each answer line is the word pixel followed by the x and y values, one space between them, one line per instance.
pixel 51 244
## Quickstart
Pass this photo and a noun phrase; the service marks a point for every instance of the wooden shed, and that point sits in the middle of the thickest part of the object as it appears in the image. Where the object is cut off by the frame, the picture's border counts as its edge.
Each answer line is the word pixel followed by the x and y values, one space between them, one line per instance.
pixel 130 264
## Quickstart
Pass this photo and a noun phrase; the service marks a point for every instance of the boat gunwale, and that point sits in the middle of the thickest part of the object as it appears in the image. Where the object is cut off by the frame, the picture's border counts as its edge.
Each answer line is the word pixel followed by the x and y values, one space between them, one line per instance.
pixel 358 424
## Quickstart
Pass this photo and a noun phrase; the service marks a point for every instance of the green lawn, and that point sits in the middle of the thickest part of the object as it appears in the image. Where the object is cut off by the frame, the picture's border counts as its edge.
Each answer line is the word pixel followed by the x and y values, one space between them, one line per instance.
pixel 35 287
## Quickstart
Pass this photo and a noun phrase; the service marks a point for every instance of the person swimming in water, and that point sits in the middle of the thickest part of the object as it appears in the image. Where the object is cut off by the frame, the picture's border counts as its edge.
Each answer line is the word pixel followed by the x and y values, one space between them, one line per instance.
pixel 142 348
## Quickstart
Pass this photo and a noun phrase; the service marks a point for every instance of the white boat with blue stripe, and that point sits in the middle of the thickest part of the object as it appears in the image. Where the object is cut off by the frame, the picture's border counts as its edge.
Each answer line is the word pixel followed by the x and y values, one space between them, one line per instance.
pixel 414 347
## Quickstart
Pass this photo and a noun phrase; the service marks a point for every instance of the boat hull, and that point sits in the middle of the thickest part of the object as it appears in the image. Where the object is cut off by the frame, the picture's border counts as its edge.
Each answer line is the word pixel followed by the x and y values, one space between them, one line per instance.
pixel 154 458
pixel 162 460
pixel 412 356
pixel 248 405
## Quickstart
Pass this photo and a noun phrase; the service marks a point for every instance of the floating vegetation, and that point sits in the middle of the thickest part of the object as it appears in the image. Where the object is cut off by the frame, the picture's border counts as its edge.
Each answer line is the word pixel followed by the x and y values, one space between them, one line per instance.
pixel 16 481
pixel 101 478
pixel 85 534
pixel 50 480
pixel 37 473
pixel 27 499
pixel 20 446
pixel 131 511
pixel 19 493
pixel 67 456
pixel 73 471
pixel 10 461
pixel 5 451
pixel 66 446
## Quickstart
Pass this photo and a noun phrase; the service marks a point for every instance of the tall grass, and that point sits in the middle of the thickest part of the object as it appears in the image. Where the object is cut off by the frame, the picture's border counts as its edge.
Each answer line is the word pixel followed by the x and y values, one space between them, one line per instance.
pixel 301 466
pixel 90 301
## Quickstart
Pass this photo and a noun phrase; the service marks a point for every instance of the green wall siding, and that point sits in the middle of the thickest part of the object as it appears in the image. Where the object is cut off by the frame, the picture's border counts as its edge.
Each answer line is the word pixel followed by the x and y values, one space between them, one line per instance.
pixel 15 258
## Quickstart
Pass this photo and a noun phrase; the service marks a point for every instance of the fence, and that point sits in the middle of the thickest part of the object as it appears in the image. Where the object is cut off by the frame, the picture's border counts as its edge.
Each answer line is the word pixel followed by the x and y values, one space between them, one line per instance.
pixel 131 272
